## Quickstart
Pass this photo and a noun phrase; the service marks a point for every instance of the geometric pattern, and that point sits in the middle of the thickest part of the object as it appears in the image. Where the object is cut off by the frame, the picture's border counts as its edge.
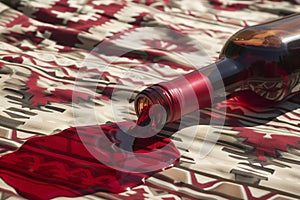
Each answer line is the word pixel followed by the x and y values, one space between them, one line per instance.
pixel 43 49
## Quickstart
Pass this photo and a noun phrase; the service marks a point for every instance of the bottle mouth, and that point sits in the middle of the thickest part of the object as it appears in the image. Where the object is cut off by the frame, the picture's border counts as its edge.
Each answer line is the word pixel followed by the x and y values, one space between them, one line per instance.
pixel 142 102
pixel 152 95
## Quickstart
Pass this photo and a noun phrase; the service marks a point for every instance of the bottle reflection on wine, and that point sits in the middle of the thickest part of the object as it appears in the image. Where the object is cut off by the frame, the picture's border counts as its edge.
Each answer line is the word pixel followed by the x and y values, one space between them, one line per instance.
pixel 262 61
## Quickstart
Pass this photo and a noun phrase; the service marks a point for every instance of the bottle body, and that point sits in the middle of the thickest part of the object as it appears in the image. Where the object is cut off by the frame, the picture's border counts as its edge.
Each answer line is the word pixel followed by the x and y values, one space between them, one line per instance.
pixel 262 60
pixel 268 59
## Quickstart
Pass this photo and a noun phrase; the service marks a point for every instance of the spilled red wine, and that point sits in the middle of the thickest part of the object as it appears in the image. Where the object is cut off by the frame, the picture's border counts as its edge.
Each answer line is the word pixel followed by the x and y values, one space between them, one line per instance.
pixel 259 62
pixel 65 164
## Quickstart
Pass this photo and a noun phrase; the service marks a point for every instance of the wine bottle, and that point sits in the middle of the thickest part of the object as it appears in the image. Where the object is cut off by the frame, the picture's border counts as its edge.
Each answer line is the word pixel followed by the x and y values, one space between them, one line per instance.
pixel 262 61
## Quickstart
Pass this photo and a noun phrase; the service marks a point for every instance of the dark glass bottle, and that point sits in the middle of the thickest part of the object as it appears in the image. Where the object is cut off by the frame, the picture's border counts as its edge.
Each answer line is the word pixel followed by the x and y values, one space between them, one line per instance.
pixel 261 61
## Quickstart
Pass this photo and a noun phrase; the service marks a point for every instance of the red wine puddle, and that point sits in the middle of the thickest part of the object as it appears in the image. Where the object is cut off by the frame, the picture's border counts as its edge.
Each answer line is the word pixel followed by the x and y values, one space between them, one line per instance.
pixel 65 164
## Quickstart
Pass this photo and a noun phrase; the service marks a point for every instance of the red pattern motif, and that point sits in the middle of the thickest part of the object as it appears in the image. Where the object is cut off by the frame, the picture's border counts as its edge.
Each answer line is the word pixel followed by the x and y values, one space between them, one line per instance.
pixel 42 96
pixel 267 145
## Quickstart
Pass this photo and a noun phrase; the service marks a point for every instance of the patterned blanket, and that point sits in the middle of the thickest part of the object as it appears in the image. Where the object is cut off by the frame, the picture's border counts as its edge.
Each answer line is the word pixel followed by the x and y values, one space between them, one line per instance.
pixel 69 72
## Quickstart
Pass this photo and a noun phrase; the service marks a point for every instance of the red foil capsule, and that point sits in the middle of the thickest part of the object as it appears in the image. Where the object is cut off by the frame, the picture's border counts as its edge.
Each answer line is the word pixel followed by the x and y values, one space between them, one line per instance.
pixel 177 96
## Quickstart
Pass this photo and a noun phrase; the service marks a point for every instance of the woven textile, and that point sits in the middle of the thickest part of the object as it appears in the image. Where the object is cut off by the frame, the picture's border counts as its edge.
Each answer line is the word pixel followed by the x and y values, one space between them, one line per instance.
pixel 49 84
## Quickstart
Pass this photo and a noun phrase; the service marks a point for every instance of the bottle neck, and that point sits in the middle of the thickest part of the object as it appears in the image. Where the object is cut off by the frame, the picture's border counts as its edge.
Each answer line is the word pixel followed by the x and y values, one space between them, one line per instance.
pixel 225 77
pixel 190 92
